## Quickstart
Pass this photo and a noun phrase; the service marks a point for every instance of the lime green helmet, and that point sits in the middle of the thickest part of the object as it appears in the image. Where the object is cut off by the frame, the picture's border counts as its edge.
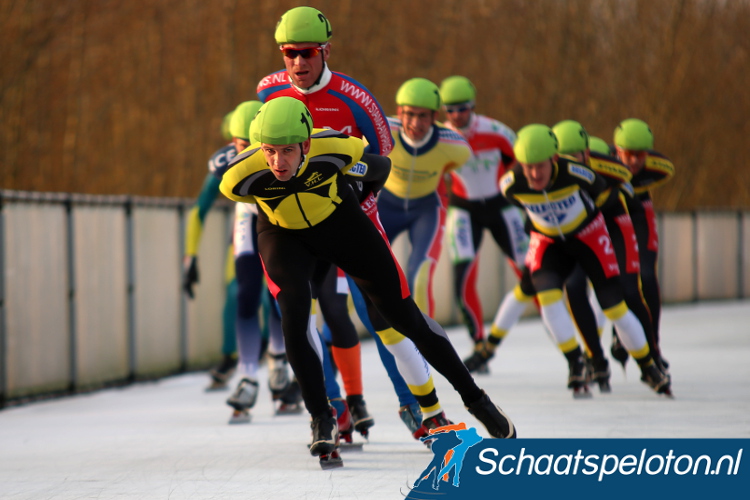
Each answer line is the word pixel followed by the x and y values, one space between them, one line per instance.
pixel 303 25
pixel 535 143
pixel 457 89
pixel 419 92
pixel 280 121
pixel 598 144
pixel 634 134
pixel 571 137
pixel 225 133
pixel 242 117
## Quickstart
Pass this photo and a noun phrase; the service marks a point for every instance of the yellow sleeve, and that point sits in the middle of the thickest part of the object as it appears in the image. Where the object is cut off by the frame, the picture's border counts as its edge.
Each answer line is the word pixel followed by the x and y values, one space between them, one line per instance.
pixel 246 164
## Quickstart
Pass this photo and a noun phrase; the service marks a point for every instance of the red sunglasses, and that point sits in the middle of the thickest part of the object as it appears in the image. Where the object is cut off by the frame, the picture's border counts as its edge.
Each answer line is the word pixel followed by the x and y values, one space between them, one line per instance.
pixel 305 53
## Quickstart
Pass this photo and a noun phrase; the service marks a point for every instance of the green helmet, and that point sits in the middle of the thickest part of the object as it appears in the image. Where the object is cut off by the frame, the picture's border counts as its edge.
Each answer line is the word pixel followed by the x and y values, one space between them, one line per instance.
pixel 303 25
pixel 598 144
pixel 419 92
pixel 242 117
pixel 571 137
pixel 634 134
pixel 283 120
pixel 535 143
pixel 457 89
pixel 225 133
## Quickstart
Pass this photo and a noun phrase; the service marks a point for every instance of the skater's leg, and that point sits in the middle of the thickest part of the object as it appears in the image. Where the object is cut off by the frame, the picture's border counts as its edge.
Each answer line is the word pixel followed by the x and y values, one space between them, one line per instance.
pixel 405 397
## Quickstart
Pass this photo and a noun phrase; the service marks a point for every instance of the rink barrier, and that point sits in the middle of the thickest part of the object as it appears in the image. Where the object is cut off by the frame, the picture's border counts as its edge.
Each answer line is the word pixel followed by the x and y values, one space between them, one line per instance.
pixel 91 297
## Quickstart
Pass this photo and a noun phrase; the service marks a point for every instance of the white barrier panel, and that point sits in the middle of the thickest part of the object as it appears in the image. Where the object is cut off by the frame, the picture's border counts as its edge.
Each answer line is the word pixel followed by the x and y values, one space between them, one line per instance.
pixel 717 241
pixel 157 263
pixel 38 357
pixel 204 313
pixel 745 255
pixel 677 258
pixel 100 294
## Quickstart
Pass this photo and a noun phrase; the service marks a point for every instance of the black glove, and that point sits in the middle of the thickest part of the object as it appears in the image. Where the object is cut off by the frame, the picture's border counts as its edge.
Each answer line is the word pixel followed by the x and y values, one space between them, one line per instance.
pixel 189 274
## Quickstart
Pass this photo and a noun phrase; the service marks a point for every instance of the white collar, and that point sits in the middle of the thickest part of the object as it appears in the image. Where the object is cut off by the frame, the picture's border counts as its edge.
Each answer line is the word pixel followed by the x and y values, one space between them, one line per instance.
pixel 325 78
pixel 418 144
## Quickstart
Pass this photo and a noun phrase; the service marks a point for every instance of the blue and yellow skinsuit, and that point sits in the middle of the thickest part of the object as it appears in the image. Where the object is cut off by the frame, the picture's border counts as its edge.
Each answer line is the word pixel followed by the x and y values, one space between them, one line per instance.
pixel 411 201
pixel 244 275
pixel 194 230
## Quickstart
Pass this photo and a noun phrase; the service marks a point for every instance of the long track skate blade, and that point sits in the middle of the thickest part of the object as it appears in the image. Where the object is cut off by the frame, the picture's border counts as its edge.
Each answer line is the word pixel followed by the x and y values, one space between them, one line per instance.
pixel 240 418
pixel 217 387
pixel 350 446
pixel 331 460
pixel 582 393
pixel 289 410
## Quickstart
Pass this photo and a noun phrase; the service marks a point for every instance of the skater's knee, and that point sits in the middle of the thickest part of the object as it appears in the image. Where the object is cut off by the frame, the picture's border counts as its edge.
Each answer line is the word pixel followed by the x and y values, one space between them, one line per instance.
pixel 616 312
pixel 389 336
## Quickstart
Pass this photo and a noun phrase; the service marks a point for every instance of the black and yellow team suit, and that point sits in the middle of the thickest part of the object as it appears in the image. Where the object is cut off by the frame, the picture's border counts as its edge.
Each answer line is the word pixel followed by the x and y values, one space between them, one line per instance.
pixel 634 143
pixel 624 243
pixel 568 229
pixel 316 215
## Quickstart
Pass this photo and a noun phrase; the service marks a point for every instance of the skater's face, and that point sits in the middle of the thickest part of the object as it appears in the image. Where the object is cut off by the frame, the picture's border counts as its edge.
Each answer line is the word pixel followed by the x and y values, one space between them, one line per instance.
pixel 415 121
pixel 633 159
pixel 538 175
pixel 284 160
pixel 580 156
pixel 458 114
pixel 240 144
pixel 305 61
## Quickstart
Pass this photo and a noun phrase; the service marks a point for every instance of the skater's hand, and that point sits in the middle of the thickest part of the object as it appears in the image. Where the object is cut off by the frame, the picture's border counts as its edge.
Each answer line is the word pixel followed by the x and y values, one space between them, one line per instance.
pixel 190 274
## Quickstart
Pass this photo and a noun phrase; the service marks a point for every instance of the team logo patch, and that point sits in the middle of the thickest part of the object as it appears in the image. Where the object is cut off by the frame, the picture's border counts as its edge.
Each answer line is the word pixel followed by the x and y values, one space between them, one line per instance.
pixel 506 181
pixel 360 169
pixel 581 172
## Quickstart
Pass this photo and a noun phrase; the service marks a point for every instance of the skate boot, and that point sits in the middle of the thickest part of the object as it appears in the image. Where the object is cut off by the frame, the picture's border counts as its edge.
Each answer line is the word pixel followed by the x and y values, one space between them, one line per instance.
pixel 291 400
pixel 343 420
pixel 325 439
pixel 278 375
pixel 361 419
pixel 577 379
pixel 656 379
pixel 411 416
pixel 597 371
pixel 432 423
pixel 242 400
pixel 221 374
pixel 477 362
pixel 618 351
pixel 498 424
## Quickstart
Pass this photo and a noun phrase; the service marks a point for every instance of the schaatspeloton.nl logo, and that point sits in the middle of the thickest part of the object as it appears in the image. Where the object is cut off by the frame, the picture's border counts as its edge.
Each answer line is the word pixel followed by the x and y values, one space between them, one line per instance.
pixel 463 463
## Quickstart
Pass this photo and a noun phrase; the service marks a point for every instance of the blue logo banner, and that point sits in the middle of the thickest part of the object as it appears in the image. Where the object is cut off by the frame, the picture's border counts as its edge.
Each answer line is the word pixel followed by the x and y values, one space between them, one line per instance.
pixel 465 464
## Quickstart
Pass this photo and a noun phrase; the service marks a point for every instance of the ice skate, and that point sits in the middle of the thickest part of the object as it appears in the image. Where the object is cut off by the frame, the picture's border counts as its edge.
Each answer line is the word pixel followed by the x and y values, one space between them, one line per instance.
pixel 344 423
pixel 325 439
pixel 411 416
pixel 278 375
pixel 618 351
pixel 577 379
pixel 597 371
pixel 498 424
pixel 361 419
pixel 291 400
pixel 656 379
pixel 242 400
pixel 432 423
pixel 222 374
pixel 477 362
pixel 345 426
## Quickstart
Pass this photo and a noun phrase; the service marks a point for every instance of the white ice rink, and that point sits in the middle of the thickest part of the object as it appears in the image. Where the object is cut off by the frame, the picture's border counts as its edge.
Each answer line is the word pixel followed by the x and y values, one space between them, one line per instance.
pixel 170 439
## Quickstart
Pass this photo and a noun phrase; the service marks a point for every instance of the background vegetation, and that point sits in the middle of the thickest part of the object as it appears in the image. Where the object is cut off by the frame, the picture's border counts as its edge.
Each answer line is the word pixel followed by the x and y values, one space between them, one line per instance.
pixel 127 96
